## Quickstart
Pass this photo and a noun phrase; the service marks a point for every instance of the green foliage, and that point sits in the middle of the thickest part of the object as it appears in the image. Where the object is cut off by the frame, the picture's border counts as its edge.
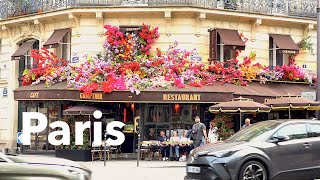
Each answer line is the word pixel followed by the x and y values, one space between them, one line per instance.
pixel 225 125
pixel 86 137
pixel 306 44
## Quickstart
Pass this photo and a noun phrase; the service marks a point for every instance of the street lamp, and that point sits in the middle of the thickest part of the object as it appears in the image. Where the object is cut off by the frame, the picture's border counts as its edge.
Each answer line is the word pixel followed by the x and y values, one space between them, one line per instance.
pixel 318 56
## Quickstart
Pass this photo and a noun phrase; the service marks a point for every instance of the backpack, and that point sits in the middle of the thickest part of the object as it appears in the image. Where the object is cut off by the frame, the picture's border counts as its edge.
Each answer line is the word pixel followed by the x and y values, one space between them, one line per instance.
pixel 189 134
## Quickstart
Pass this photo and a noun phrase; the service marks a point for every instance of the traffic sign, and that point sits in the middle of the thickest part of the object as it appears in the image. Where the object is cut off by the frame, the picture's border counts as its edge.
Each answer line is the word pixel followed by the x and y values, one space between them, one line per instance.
pixel 19 138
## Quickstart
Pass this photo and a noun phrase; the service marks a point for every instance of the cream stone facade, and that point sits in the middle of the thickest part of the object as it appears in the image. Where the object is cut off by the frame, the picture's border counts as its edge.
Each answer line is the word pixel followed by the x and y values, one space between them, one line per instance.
pixel 186 25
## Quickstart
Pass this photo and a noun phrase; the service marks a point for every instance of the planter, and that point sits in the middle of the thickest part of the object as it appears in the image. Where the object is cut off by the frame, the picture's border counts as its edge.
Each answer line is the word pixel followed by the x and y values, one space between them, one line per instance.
pixel 74 155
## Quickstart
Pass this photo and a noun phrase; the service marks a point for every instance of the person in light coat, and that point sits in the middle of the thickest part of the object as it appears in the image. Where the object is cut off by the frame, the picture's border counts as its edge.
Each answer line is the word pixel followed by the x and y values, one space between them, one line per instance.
pixel 213 132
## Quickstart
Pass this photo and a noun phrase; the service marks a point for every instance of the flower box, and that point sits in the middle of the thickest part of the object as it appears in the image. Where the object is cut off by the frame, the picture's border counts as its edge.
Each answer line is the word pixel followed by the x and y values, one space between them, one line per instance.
pixel 74 154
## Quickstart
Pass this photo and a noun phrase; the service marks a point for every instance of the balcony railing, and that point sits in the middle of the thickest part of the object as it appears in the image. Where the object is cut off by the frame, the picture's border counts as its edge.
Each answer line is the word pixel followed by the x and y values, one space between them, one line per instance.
pixel 300 8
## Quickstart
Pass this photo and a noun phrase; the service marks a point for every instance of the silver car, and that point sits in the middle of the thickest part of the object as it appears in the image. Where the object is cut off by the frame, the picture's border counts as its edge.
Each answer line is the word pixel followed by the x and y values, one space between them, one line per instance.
pixel 22 167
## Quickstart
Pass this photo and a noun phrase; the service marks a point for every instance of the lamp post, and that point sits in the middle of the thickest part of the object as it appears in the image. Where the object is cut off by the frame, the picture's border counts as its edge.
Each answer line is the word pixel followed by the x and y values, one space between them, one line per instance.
pixel 318 56
pixel 105 148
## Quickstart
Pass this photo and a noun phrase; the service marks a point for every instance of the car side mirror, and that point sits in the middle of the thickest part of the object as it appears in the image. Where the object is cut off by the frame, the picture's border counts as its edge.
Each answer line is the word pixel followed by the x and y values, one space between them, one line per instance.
pixel 281 139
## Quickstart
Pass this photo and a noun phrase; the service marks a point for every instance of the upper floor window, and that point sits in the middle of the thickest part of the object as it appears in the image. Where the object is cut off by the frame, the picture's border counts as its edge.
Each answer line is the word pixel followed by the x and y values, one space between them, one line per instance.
pixel 224 44
pixel 61 41
pixel 23 55
pixel 129 29
pixel 281 47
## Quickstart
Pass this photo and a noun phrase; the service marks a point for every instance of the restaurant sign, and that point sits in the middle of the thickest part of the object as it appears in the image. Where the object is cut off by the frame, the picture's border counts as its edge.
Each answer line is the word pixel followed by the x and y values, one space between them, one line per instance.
pixel 181 97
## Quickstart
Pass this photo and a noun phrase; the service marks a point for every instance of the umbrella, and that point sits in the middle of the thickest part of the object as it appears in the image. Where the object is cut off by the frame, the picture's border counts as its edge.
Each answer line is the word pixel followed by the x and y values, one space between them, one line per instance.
pixel 86 110
pixel 293 103
pixel 240 105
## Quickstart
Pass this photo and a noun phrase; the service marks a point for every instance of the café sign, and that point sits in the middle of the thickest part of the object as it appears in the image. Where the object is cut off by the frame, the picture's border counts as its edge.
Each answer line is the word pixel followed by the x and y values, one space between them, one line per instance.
pixel 181 97
pixel 34 95
pixel 93 96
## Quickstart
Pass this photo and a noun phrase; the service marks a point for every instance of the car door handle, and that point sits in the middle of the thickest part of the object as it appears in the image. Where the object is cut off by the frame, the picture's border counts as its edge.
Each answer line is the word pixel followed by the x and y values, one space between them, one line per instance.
pixel 307 145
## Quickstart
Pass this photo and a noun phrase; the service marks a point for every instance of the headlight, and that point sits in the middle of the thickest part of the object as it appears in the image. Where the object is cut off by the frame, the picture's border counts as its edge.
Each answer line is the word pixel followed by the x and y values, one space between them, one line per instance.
pixel 221 154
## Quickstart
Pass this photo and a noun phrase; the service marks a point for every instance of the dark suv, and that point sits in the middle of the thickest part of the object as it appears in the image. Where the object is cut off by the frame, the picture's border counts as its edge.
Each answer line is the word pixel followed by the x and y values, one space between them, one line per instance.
pixel 275 149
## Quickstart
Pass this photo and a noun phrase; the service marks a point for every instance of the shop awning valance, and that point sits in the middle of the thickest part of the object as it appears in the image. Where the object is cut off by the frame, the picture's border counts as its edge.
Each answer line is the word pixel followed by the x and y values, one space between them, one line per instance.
pixel 231 38
pixel 56 38
pixel 206 94
pixel 285 43
pixel 22 50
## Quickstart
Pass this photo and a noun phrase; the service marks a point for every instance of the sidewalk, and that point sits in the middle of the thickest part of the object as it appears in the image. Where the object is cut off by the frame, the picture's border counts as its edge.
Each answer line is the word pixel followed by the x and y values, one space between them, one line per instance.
pixel 127 169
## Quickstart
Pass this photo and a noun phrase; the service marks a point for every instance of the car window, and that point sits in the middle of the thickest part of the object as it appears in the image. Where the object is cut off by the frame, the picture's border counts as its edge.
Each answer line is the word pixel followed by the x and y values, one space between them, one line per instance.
pixel 293 131
pixel 314 130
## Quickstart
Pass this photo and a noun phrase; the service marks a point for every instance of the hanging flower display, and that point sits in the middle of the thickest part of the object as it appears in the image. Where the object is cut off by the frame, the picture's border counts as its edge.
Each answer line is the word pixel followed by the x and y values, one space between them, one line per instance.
pixel 128 65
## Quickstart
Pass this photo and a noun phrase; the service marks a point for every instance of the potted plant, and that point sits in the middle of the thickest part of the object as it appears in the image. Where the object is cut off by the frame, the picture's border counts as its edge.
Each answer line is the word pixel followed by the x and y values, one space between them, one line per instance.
pixel 225 126
pixel 306 44
pixel 75 152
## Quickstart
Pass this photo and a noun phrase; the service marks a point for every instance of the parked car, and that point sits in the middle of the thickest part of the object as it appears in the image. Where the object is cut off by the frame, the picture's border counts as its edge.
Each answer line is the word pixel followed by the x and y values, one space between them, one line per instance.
pixel 274 149
pixel 21 167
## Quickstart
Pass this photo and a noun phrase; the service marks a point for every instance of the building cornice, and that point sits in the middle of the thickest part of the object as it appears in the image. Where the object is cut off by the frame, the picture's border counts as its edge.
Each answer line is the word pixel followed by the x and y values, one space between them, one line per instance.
pixel 112 10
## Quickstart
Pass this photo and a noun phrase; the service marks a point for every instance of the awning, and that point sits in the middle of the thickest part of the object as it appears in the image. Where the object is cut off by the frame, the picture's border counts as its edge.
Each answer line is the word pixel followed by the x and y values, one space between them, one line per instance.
pixel 231 38
pixel 285 43
pixel 206 94
pixel 56 38
pixel 22 50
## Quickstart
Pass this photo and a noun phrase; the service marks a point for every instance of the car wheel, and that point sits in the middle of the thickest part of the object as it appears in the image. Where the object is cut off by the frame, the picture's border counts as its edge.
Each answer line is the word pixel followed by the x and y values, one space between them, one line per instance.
pixel 253 170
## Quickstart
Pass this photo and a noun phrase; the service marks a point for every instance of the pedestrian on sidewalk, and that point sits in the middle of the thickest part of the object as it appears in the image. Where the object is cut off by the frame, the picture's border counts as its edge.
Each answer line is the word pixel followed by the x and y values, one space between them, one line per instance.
pixel 213 132
pixel 198 132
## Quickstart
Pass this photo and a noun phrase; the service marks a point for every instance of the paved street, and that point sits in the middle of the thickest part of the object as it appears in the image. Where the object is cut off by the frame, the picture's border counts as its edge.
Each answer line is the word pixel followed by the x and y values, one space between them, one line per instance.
pixel 124 169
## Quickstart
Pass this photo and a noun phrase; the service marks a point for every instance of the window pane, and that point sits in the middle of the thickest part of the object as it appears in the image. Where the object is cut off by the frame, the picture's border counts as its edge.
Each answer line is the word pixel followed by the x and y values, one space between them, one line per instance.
pixel 314 130
pixel 294 131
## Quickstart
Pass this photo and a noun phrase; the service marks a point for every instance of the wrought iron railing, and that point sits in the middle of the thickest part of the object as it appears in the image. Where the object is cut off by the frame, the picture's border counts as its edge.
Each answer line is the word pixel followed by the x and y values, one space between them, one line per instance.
pixel 301 8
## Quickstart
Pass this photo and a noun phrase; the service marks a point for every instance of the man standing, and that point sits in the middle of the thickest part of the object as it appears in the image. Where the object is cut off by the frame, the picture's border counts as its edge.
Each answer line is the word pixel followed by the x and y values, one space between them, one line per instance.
pixel 198 132
pixel 247 123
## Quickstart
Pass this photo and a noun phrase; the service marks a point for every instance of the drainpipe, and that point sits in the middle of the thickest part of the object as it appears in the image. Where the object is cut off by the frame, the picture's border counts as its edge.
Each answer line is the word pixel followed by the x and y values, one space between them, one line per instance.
pixel 318 57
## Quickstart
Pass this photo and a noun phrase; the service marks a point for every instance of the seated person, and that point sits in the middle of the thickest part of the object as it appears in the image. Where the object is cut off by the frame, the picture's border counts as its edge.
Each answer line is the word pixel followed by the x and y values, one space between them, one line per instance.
pixel 185 144
pixel 175 144
pixel 163 147
pixel 151 137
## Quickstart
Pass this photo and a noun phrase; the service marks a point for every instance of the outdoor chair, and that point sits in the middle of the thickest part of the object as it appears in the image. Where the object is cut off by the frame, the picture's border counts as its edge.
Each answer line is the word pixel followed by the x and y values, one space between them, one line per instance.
pixel 96 149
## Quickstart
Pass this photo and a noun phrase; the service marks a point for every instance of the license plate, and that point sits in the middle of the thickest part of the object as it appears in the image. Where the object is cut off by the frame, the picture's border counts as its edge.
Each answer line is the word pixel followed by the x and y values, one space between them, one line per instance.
pixel 192 169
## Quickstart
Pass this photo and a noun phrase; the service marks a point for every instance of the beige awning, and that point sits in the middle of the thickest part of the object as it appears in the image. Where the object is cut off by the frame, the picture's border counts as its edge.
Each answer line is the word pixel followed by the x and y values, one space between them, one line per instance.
pixel 285 43
pixel 231 38
pixel 56 38
pixel 22 50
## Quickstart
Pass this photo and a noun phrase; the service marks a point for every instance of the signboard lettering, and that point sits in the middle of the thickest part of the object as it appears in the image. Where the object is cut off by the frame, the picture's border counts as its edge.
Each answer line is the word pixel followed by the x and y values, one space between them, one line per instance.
pixel 312 95
pixel 93 96
pixel 289 51
pixel 5 92
pixel 181 97
pixel 213 45
pixel 75 59
pixel 34 95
